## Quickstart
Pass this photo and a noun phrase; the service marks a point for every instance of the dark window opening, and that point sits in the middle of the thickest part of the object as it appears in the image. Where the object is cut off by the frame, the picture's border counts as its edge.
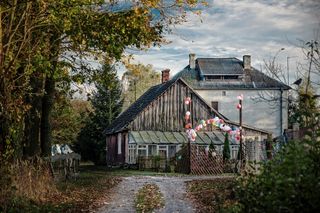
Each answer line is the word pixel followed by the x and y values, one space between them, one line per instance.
pixel 221 77
pixel 231 77
pixel 215 105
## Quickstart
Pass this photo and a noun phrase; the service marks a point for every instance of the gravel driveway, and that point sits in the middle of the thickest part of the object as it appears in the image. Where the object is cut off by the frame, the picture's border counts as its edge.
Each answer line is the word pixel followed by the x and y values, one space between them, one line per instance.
pixel 172 188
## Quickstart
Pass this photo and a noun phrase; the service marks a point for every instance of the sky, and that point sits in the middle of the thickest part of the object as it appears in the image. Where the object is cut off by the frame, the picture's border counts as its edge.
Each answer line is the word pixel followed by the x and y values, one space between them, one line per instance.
pixel 233 28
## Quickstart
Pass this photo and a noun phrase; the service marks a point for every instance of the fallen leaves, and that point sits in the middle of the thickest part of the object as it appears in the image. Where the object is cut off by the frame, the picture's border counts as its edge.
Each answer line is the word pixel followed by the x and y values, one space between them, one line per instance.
pixel 149 198
pixel 212 195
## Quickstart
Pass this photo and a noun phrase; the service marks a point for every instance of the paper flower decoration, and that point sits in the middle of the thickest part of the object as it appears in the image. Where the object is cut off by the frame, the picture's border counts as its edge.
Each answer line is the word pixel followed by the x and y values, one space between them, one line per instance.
pixel 188 126
pixel 239 106
pixel 187 100
pixel 240 97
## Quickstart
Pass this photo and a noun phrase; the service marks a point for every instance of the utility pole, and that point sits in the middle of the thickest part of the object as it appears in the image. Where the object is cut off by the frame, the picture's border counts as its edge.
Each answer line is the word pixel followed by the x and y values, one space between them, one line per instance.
pixel 240 128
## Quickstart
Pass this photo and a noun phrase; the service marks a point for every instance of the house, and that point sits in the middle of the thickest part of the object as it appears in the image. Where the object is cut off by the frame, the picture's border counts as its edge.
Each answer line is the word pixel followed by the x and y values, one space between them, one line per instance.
pixel 219 80
pixel 154 125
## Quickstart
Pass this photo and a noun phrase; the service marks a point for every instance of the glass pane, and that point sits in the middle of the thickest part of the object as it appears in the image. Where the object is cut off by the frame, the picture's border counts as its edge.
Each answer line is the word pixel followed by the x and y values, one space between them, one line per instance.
pixel 163 147
pixel 152 149
pixel 142 152
pixel 163 153
pixel 172 151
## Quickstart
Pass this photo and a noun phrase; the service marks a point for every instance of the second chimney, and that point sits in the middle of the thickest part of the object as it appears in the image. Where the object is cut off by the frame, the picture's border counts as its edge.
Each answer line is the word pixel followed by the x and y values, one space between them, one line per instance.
pixel 165 75
pixel 247 62
pixel 192 61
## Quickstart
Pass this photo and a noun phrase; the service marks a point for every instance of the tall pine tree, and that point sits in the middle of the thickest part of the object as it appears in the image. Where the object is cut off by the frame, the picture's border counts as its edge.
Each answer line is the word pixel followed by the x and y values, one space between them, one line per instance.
pixel 107 104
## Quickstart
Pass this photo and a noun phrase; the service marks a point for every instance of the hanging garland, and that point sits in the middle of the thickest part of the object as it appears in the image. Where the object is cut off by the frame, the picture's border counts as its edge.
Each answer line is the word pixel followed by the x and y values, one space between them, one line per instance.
pixel 233 131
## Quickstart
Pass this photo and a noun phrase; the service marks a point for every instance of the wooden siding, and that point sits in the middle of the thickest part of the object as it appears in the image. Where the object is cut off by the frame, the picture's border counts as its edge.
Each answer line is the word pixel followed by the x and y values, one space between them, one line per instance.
pixel 113 158
pixel 166 113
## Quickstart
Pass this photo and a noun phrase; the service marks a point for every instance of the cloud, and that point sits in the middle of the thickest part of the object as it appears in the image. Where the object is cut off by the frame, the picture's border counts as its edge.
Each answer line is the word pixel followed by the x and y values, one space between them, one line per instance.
pixel 232 28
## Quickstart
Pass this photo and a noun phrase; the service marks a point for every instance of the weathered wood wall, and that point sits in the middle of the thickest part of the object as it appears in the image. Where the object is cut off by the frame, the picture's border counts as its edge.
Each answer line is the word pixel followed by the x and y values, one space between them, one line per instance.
pixel 113 158
pixel 166 113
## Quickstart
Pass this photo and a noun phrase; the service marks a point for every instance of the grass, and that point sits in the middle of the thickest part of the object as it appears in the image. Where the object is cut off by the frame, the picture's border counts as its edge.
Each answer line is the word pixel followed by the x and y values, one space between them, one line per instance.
pixel 149 198
pixel 129 172
pixel 212 195
pixel 84 194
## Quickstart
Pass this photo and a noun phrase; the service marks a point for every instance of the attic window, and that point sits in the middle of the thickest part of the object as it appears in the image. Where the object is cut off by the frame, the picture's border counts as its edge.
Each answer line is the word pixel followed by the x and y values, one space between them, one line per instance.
pixel 221 77
pixel 213 77
pixel 215 105
pixel 231 77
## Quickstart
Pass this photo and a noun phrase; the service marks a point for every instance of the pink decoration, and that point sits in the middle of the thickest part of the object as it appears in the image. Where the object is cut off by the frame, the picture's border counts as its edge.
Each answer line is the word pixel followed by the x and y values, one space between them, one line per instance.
pixel 187 100
pixel 188 113
pixel 188 126
pixel 240 97
pixel 239 106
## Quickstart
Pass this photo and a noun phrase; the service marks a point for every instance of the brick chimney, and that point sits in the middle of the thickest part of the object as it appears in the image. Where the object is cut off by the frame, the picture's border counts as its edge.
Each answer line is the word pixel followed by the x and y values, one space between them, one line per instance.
pixel 165 75
pixel 247 62
pixel 192 61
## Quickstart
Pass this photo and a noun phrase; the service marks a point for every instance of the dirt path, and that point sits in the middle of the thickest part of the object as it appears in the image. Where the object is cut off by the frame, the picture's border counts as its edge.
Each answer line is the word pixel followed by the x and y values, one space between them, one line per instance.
pixel 172 188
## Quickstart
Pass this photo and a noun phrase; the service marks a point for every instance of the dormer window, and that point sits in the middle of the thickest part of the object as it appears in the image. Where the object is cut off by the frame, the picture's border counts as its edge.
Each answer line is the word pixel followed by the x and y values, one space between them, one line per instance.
pixel 220 77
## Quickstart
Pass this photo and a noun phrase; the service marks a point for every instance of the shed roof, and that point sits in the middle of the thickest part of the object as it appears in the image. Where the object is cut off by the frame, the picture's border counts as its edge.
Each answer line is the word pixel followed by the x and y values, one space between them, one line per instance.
pixel 159 137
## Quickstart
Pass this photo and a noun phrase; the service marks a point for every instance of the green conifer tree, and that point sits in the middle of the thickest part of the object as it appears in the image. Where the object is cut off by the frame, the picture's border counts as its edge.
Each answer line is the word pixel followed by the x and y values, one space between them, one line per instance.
pixel 107 104
pixel 226 148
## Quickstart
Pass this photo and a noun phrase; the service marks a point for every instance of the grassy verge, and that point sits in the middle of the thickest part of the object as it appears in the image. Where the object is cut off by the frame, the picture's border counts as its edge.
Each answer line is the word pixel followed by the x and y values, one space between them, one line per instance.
pixel 212 195
pixel 149 198
pixel 84 194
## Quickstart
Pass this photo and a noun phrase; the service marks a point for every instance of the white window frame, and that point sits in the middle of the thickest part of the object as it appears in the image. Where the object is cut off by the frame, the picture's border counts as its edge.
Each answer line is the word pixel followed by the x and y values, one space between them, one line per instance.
pixel 119 144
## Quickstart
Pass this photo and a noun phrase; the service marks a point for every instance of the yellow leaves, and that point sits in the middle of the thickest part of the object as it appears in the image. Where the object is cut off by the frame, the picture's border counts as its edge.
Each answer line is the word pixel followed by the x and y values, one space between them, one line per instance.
pixel 149 198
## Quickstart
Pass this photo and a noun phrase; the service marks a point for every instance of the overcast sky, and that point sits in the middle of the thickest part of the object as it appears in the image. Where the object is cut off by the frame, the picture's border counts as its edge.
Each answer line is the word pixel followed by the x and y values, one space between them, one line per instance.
pixel 232 28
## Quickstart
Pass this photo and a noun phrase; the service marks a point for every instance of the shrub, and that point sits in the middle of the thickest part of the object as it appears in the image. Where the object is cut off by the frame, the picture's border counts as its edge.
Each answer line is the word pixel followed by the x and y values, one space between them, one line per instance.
pixel 25 182
pixel 288 183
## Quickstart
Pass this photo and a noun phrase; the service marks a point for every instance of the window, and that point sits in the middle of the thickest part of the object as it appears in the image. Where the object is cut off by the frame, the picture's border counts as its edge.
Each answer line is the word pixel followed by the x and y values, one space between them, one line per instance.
pixel 132 153
pixel 163 151
pixel 231 77
pixel 172 151
pixel 224 93
pixel 215 105
pixel 119 143
pixel 234 152
pixel 221 77
pixel 152 150
pixel 142 150
pixel 213 77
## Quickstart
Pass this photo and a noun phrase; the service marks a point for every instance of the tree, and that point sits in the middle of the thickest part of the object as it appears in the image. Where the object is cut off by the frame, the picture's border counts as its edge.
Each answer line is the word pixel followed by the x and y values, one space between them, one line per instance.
pixel 21 30
pixel 226 148
pixel 107 105
pixel 39 39
pixel 139 79
pixel 287 183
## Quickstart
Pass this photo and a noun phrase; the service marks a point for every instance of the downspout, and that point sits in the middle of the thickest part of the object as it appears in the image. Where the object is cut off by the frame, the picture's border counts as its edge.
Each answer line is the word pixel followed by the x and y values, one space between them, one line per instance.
pixel 281 103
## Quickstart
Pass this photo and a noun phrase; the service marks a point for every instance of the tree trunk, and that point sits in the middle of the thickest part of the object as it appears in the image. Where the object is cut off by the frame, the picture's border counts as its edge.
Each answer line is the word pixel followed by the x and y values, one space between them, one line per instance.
pixel 47 106
pixel 33 117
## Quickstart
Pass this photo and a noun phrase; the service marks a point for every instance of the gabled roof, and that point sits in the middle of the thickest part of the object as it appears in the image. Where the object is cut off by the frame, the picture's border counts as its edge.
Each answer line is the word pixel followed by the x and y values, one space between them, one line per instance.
pixel 126 117
pixel 123 120
pixel 251 79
